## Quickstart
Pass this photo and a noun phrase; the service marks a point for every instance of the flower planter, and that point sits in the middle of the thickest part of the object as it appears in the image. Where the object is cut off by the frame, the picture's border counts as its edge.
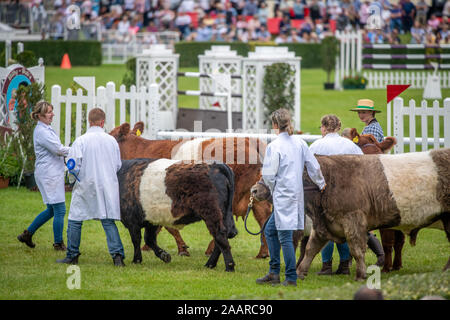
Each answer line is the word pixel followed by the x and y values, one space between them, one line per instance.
pixel 328 85
pixel 4 182
pixel 30 183
pixel 354 87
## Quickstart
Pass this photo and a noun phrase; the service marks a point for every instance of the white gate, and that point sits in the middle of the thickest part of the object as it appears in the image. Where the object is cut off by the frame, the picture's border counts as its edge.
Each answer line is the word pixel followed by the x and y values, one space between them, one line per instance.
pixel 422 111
pixel 137 103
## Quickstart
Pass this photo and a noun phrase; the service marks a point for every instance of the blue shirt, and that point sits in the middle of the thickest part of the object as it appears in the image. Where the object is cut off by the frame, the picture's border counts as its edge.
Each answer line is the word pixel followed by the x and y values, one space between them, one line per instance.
pixel 375 129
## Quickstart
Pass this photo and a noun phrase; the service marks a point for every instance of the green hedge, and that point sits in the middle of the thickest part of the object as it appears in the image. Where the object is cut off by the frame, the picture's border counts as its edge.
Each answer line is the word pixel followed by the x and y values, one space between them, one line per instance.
pixel 81 53
pixel 189 51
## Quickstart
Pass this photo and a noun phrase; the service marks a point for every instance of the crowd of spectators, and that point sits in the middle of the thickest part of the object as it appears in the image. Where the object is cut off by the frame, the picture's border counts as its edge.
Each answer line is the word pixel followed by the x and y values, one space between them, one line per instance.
pixel 383 21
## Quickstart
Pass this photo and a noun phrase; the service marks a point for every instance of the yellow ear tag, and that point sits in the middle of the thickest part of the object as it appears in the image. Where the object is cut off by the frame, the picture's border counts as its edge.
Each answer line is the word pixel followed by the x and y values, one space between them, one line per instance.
pixel 138 132
pixel 355 139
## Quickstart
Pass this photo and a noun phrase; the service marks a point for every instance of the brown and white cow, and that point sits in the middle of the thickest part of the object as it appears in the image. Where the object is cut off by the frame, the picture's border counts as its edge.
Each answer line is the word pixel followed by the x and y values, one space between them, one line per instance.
pixel 165 192
pixel 241 154
pixel 392 240
pixel 365 192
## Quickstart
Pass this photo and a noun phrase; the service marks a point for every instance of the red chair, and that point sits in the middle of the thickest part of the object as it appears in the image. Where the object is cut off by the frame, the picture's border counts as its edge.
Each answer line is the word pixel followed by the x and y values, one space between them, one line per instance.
pixel 194 18
pixel 248 18
pixel 296 23
pixel 332 25
pixel 306 11
pixel 273 25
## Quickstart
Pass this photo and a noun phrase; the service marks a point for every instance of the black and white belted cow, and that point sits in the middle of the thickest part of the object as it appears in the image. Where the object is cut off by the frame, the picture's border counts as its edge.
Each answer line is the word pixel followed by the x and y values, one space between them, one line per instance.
pixel 172 193
pixel 406 192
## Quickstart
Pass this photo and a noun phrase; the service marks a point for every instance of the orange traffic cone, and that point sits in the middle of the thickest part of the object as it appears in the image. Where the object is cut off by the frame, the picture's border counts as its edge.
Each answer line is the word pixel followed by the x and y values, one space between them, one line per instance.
pixel 65 63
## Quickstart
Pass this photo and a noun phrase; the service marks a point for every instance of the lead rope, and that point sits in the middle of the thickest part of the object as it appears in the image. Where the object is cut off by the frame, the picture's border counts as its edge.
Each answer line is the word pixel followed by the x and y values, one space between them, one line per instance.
pixel 249 207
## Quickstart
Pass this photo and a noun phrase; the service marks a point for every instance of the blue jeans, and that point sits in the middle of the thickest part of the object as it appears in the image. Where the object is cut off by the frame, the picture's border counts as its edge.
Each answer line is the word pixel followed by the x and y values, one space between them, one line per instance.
pixel 343 249
pixel 57 211
pixel 112 238
pixel 277 240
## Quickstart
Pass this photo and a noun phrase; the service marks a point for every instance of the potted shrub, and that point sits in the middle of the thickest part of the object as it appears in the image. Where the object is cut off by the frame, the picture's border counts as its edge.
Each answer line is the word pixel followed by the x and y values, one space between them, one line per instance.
pixel 329 49
pixel 355 82
pixel 9 165
pixel 278 88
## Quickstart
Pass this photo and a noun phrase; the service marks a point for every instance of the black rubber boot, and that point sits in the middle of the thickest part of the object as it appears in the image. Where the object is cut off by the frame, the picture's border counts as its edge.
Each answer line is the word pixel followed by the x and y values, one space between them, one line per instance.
pixel 326 269
pixel 26 237
pixel 118 260
pixel 344 267
pixel 67 260
pixel 269 278
pixel 375 245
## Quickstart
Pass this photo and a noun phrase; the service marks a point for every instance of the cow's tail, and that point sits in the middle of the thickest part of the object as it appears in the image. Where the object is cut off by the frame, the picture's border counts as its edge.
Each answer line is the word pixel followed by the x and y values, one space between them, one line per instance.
pixel 227 172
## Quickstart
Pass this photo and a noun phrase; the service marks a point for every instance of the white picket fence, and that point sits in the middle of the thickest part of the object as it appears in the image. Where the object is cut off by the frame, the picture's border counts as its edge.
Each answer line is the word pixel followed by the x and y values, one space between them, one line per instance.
pixel 141 104
pixel 422 111
pixel 417 80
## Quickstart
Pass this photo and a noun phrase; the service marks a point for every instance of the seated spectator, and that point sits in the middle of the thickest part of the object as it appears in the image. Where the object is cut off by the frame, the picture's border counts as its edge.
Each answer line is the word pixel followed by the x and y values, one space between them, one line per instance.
pixel 293 36
pixel 187 6
pixel 446 11
pixel 299 9
pixel 230 14
pixel 422 11
pixel 307 26
pixel 166 18
pixel 364 13
pixel 342 22
pixel 285 24
pixel 396 18
pixel 182 23
pixel 285 8
pixel 122 29
pixel 408 13
pixel 315 9
pixel 375 36
pixel 263 14
pixel 417 33
pixel 393 37
pixel 433 23
pixel 263 34
pixel 282 38
pixel 250 8
pixel 430 39
pixel 334 11
pixel 443 32
pixel 204 33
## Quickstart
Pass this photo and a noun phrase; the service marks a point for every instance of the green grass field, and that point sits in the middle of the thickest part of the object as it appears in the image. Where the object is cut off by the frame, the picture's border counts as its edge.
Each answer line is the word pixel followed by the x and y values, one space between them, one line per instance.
pixel 33 274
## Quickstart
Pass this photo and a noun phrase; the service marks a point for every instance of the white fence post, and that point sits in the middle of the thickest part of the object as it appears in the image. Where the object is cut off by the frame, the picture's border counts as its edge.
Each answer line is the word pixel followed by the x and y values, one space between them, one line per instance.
pixel 398 124
pixel 56 103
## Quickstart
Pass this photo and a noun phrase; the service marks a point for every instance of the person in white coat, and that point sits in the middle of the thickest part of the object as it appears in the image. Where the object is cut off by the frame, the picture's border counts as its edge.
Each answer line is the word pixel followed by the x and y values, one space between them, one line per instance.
pixel 282 172
pixel 96 194
pixel 49 176
pixel 332 143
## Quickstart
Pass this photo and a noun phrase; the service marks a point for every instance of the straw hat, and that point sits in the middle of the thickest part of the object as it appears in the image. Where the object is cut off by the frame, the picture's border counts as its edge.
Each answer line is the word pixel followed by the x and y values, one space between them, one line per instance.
pixel 365 105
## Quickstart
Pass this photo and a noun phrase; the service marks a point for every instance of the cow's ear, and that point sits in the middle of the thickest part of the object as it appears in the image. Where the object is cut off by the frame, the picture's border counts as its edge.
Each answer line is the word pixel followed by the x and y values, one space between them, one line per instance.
pixel 387 144
pixel 353 133
pixel 138 126
pixel 124 130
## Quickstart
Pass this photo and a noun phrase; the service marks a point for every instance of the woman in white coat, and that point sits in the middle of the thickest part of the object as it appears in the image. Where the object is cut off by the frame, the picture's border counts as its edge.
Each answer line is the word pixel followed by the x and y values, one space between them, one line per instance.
pixel 49 176
pixel 283 173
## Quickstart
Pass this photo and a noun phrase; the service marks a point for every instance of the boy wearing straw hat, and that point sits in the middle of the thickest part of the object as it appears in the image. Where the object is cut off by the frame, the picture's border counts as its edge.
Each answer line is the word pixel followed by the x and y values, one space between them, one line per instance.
pixel 366 113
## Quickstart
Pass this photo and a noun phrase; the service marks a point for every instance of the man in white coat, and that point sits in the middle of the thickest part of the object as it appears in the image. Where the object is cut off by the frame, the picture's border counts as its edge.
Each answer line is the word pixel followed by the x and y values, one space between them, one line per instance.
pixel 96 194
pixel 283 173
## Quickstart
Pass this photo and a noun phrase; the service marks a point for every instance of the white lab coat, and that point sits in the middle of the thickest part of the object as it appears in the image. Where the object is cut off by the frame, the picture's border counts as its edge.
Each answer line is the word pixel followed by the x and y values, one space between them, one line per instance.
pixel 283 173
pixel 97 159
pixel 333 143
pixel 49 164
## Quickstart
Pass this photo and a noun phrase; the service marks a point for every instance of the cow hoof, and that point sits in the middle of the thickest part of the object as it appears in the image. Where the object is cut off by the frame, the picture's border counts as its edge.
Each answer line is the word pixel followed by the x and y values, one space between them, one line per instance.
pixel 262 256
pixel 184 254
pixel 165 257
pixel 301 276
pixel 230 267
pixel 145 248
pixel 210 266
pixel 137 261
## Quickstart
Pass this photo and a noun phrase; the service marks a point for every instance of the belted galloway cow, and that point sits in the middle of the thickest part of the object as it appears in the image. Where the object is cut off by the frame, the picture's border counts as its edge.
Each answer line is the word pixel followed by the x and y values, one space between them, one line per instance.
pixel 165 192
pixel 365 192
pixel 241 154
